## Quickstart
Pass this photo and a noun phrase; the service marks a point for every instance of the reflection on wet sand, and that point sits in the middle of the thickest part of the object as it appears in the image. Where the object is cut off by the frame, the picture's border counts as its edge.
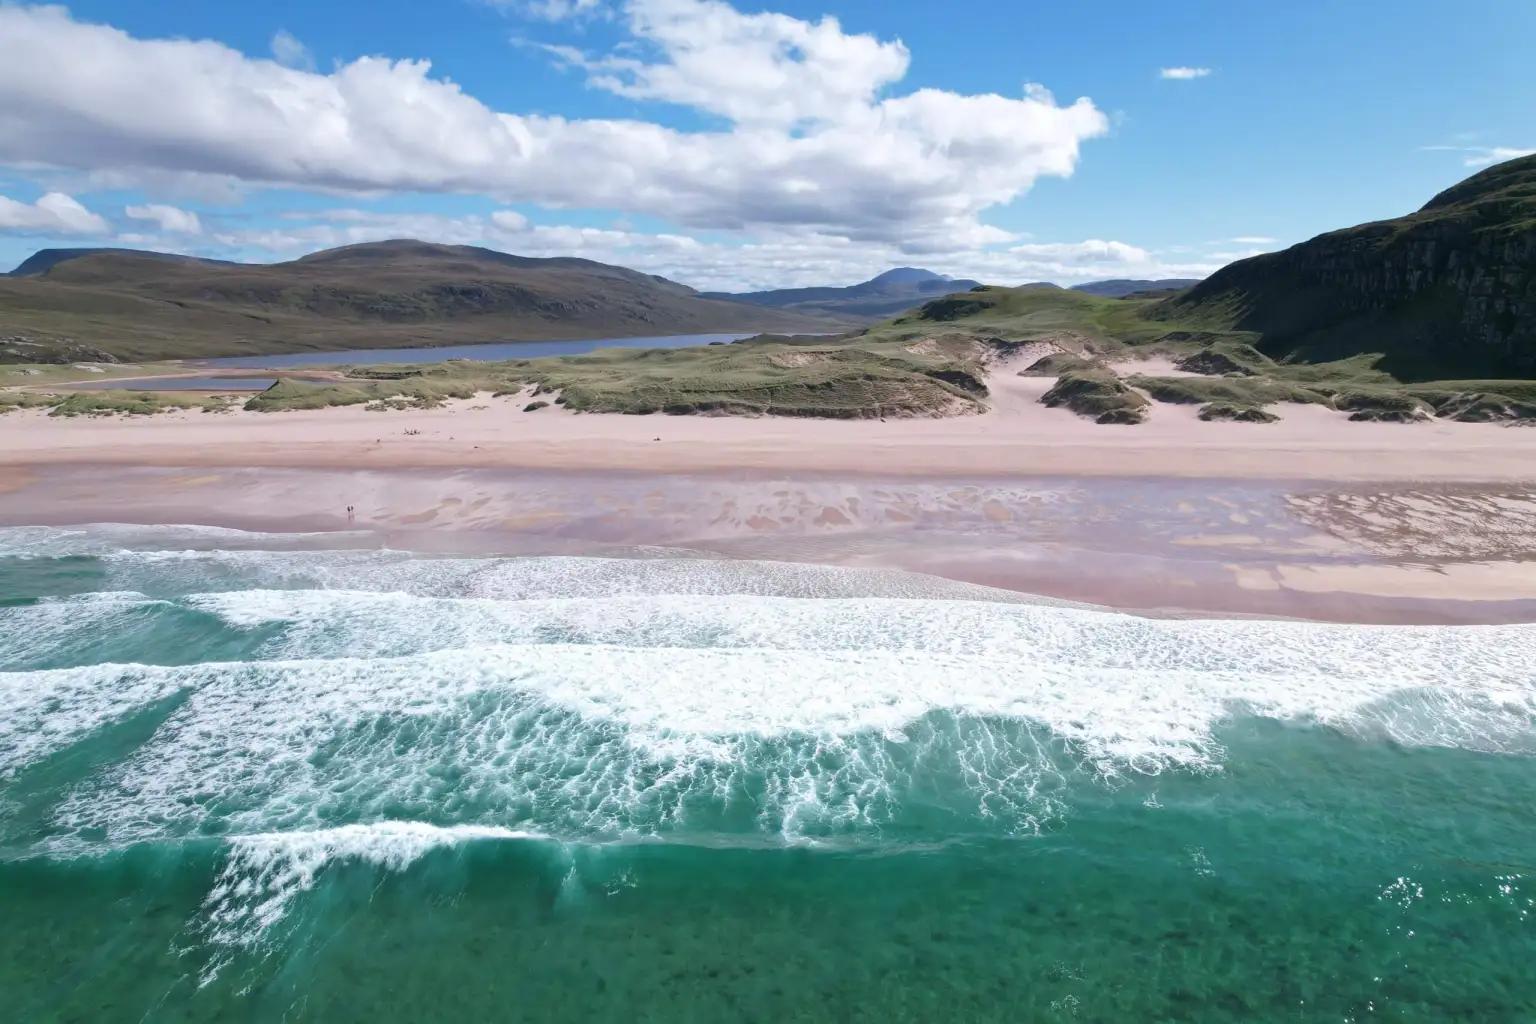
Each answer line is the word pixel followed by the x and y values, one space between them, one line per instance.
pixel 1409 554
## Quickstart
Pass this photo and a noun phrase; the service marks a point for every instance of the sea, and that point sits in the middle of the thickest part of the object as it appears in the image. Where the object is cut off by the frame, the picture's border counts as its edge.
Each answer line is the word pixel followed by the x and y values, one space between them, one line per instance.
pixel 303 777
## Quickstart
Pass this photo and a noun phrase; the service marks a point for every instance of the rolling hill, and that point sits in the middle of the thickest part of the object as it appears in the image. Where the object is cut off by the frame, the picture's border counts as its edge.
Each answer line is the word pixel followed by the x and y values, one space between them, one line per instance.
pixel 1448 291
pixel 892 292
pixel 1119 288
pixel 123 304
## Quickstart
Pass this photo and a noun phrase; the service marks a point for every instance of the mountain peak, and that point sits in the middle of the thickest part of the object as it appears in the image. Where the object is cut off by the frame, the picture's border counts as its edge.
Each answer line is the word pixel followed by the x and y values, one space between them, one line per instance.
pixel 1513 180
pixel 906 275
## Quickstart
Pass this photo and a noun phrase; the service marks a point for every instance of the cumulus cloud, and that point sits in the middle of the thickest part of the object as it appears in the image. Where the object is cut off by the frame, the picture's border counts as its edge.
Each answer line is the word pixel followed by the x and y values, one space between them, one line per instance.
pixel 170 218
pixel 288 51
pixel 778 259
pixel 811 140
pixel 767 69
pixel 1182 74
pixel 53 214
pixel 1253 240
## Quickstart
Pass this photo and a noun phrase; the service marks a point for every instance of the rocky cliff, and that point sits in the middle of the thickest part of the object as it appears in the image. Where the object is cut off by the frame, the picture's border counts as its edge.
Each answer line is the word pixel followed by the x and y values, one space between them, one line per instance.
pixel 1449 291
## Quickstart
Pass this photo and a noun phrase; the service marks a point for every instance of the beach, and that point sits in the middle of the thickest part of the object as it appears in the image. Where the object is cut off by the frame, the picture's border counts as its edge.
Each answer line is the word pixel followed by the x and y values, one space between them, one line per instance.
pixel 1314 516
pixel 388 716
pixel 1016 437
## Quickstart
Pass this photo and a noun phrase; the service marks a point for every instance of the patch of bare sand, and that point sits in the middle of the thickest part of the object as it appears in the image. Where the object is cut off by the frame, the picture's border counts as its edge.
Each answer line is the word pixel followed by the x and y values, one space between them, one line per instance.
pixel 14 478
pixel 1452 581
pixel 1016 436
pixel 1151 366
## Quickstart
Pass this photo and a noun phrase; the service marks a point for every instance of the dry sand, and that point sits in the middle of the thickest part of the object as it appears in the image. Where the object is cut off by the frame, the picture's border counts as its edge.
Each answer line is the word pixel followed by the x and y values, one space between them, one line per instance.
pixel 1312 517
pixel 1018 437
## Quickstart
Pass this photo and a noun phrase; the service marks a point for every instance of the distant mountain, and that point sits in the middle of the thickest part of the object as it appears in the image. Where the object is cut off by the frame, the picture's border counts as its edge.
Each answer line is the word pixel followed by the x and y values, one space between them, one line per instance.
pixel 45 260
pixel 143 305
pixel 1119 288
pixel 1449 291
pixel 892 292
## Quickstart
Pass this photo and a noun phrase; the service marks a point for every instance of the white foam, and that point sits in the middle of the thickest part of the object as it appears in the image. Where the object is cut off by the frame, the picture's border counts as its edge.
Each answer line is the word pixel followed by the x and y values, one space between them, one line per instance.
pixel 597 699
pixel 588 739
pixel 35 633
pixel 126 538
pixel 263 874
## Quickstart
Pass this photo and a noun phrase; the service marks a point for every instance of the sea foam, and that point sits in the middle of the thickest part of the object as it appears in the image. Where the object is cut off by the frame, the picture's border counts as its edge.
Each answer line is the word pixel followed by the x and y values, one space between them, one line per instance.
pixel 391 705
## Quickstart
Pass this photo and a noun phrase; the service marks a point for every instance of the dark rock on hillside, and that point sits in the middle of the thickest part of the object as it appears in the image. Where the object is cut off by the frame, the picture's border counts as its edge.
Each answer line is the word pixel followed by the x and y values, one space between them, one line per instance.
pixel 21 349
pixel 1449 291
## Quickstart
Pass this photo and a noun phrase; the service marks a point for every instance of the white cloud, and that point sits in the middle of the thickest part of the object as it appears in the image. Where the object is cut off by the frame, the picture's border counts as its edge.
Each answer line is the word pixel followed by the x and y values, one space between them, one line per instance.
pixel 1182 74
pixel 1483 156
pixel 288 51
pixel 53 214
pixel 767 69
pixel 553 10
pixel 811 141
pixel 1253 240
pixel 780 259
pixel 170 218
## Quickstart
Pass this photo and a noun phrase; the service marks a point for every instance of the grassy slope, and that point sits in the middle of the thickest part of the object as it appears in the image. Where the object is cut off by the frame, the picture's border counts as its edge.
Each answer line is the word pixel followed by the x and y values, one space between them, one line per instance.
pixel 1449 290
pixel 383 295
pixel 931 361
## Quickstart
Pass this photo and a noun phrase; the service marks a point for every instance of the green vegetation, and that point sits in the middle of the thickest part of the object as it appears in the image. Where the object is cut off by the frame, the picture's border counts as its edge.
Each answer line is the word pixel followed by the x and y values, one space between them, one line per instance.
pixel 1235 390
pixel 106 306
pixel 127 403
pixel 1083 324
pixel 1236 413
pixel 1057 363
pixel 1482 407
pixel 1227 357
pixel 1382 406
pixel 10 401
pixel 1097 394
pixel 931 361
pixel 1447 291
pixel 768 378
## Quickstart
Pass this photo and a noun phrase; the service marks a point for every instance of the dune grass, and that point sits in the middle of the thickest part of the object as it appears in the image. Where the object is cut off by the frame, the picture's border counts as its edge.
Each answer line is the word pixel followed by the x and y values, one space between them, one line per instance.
pixel 931 362
pixel 1097 394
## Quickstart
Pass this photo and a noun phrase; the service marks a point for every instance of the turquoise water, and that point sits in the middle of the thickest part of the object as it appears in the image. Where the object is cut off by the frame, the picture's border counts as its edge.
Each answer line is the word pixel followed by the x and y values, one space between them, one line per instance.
pixel 299 778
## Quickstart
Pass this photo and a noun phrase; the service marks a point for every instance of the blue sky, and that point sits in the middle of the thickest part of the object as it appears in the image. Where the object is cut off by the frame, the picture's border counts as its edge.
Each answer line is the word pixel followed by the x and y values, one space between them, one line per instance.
pixel 752 146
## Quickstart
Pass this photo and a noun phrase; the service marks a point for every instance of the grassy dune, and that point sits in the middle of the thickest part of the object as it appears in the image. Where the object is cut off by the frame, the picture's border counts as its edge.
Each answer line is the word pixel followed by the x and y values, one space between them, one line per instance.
pixel 933 361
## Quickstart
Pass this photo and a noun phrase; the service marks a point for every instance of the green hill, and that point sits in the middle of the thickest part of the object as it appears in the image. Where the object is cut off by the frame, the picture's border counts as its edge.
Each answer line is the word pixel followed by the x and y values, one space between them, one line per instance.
pixel 103 304
pixel 892 292
pixel 1449 291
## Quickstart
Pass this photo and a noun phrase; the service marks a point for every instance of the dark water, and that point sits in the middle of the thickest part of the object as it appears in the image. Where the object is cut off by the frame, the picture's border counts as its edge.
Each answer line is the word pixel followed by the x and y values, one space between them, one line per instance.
pixel 488 353
pixel 272 778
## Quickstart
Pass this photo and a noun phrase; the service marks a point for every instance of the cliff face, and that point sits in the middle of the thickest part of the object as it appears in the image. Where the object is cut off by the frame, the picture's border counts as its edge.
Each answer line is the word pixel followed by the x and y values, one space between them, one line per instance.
pixel 1449 291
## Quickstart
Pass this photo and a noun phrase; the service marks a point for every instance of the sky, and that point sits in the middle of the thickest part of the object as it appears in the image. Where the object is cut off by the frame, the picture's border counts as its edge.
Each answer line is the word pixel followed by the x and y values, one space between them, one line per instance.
pixel 735 146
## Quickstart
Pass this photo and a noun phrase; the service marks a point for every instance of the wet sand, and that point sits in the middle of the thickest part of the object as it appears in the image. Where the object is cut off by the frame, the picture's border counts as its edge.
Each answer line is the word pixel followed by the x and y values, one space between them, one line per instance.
pixel 1402 553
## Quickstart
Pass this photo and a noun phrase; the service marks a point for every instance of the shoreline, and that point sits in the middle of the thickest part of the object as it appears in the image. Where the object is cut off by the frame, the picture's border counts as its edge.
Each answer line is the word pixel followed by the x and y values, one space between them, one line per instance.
pixel 1016 438
pixel 1404 554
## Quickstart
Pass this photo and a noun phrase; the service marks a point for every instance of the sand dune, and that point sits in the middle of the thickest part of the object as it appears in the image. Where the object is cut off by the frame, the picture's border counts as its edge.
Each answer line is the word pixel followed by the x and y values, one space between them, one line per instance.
pixel 1018 436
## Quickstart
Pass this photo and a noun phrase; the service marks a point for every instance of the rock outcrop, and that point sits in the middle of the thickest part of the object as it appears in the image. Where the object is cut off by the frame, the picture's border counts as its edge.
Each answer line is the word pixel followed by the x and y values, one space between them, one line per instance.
pixel 1449 291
